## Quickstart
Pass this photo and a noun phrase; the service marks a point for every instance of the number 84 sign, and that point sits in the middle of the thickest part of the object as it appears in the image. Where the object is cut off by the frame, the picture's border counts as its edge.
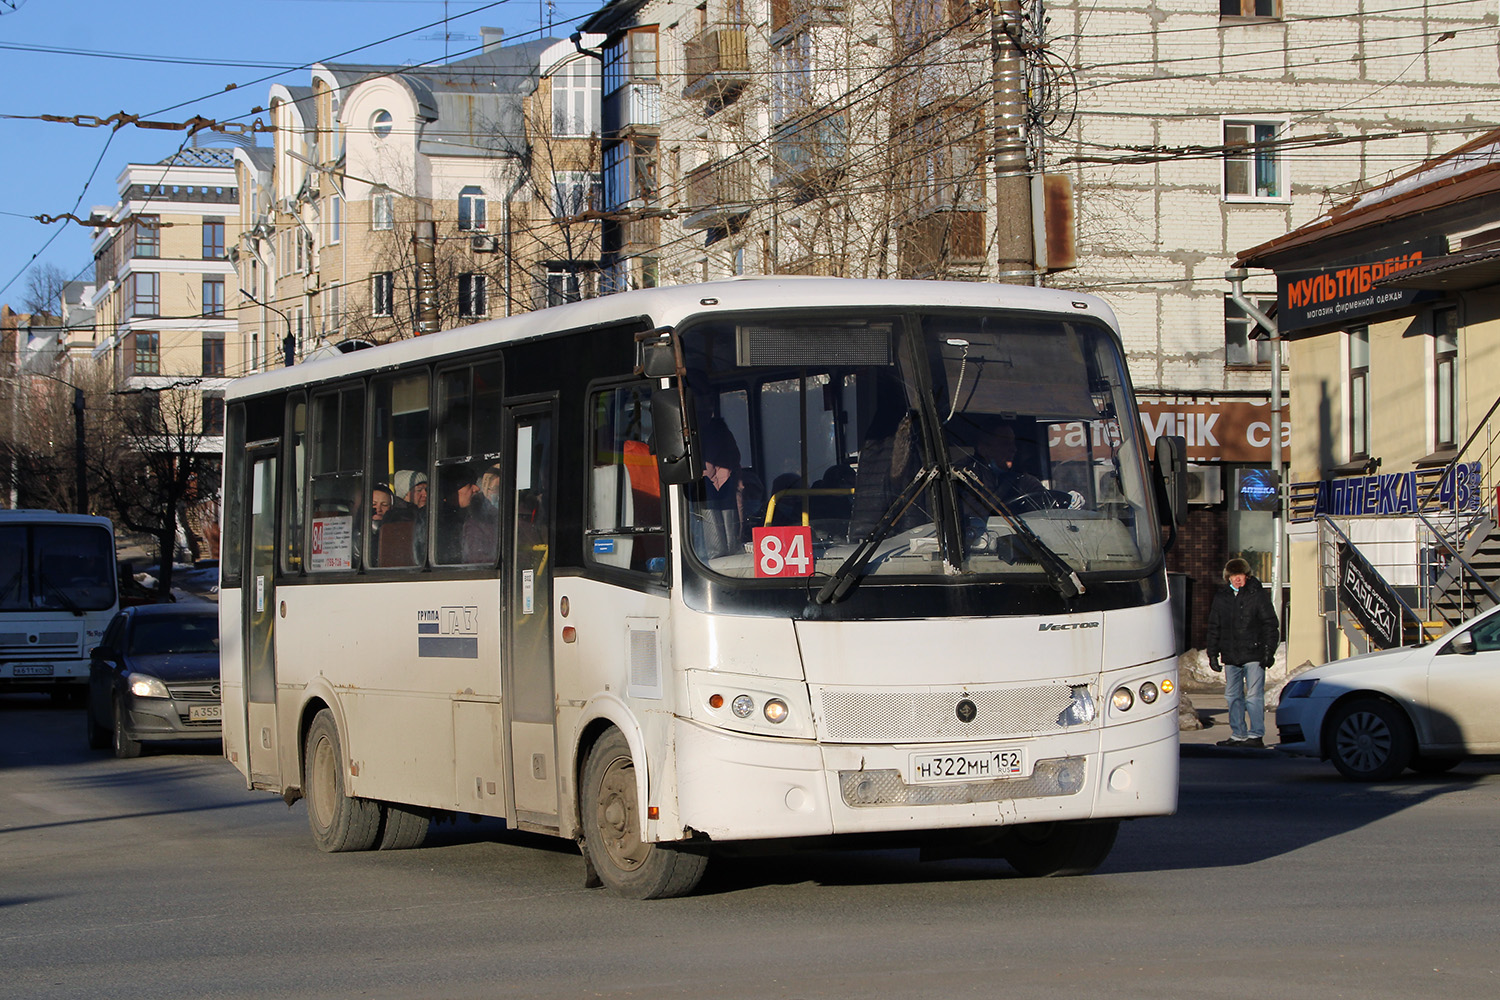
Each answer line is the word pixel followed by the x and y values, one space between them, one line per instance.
pixel 783 551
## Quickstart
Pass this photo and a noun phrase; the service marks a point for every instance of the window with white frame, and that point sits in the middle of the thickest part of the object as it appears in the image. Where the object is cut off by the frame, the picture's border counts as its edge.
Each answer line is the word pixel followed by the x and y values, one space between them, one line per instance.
pixel 1253 167
pixel 382 293
pixel 1359 392
pixel 1245 343
pixel 472 209
pixel 575 98
pixel 562 286
pixel 629 172
pixel 335 219
pixel 333 308
pixel 630 58
pixel 1249 8
pixel 574 192
pixel 471 295
pixel 1445 377
pixel 383 210
pixel 791 79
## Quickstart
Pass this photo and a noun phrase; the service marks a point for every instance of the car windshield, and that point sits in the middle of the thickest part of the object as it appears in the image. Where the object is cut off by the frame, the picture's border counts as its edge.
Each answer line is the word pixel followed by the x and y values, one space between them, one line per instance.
pixel 64 567
pixel 995 444
pixel 174 634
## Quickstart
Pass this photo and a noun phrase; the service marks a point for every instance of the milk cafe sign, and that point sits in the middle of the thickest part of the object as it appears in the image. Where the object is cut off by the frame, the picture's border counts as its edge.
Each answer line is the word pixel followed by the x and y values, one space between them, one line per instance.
pixel 1225 431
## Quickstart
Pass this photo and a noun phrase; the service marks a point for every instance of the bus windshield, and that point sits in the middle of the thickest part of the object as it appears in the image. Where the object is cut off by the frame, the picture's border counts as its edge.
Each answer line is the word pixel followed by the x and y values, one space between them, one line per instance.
pixel 56 567
pixel 997 445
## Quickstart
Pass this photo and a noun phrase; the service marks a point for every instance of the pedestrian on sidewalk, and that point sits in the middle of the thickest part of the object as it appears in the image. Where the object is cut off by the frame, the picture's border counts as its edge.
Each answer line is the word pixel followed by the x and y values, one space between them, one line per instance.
pixel 1242 636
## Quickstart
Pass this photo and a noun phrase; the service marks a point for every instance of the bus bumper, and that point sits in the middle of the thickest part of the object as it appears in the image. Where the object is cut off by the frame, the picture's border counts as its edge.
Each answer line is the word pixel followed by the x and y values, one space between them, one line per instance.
pixel 736 787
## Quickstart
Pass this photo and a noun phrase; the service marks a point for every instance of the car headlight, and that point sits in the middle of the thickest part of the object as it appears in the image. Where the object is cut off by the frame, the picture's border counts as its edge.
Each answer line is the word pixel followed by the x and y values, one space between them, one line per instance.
pixel 1299 688
pixel 146 686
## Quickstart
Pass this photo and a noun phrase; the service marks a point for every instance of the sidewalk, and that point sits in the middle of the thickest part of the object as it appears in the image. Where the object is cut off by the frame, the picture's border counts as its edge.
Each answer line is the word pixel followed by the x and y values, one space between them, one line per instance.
pixel 1213 711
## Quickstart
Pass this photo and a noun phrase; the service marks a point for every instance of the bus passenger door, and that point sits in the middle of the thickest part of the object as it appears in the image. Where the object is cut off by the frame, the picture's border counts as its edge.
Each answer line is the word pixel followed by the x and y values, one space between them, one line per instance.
pixel 527 680
pixel 259 615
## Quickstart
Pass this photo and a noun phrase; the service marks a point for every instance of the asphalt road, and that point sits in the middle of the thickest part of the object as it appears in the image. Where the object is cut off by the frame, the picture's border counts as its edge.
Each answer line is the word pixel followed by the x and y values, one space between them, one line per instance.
pixel 162 877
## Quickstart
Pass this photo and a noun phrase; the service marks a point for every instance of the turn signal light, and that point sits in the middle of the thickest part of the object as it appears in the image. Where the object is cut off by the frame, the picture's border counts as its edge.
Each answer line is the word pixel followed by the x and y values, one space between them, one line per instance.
pixel 1167 686
pixel 716 701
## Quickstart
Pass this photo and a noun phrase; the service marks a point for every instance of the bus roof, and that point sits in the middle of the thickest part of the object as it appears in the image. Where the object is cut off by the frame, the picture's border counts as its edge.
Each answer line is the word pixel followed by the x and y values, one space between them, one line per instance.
pixel 672 304
pixel 36 516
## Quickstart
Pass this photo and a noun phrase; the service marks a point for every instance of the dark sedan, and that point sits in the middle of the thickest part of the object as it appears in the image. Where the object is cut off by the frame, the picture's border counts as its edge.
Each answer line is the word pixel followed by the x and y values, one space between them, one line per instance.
pixel 155 676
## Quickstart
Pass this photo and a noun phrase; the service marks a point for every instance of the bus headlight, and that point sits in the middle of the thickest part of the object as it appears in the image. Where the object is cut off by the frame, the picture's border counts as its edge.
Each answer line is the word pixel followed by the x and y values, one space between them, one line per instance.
pixel 145 686
pixel 776 711
pixel 742 706
pixel 1122 699
pixel 1148 693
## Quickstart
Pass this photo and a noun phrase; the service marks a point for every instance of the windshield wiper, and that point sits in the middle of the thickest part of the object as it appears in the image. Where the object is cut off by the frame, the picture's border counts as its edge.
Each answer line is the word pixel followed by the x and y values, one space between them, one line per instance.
pixel 1059 573
pixel 853 567
pixel 67 602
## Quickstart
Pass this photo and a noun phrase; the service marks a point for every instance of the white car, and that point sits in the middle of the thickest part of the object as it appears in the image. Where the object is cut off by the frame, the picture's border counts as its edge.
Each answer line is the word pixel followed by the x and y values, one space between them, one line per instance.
pixel 1425 707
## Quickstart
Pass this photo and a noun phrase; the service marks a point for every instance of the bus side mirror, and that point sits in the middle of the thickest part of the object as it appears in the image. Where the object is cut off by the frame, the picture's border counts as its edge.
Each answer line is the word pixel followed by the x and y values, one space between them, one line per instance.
pixel 658 360
pixel 670 438
pixel 1171 476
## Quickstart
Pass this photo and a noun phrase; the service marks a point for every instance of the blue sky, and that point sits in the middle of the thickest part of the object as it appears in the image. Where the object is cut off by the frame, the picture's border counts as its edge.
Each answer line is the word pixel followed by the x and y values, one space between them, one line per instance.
pixel 171 60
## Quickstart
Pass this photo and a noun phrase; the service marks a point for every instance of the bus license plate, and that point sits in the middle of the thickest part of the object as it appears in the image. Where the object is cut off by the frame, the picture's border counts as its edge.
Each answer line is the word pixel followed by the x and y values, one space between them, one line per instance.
pixel 205 713
pixel 971 765
pixel 32 670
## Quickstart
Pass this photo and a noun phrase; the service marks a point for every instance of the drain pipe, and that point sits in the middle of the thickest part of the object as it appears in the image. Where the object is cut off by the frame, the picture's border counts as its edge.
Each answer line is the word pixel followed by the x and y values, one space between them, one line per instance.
pixel 1236 278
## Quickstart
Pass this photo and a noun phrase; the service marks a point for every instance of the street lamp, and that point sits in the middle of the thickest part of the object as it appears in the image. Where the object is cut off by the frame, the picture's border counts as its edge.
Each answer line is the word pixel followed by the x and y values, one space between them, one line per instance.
pixel 289 342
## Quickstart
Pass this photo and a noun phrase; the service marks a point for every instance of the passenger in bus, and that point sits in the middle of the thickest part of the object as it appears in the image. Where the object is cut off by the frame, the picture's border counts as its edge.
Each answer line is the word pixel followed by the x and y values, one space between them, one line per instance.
pixel 482 527
pixel 731 494
pixel 381 502
pixel 890 457
pixel 411 488
pixel 991 455
pixel 454 509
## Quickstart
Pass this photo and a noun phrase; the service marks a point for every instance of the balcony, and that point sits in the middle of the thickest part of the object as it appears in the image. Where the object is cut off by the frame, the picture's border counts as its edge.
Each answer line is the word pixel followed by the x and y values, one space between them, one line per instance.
pixel 716 63
pixel 809 153
pixel 941 239
pixel 640 234
pixel 717 193
pixel 789 16
pixel 633 109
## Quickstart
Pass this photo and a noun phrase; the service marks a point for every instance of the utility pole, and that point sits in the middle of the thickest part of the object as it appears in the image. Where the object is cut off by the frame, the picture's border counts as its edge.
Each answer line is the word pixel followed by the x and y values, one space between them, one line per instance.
pixel 1014 236
pixel 424 242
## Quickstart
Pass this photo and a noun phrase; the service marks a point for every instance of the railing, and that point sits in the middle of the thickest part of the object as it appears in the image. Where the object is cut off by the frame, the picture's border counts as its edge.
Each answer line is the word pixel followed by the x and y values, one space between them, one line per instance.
pixel 717 192
pixel 789 15
pixel 1331 606
pixel 717 59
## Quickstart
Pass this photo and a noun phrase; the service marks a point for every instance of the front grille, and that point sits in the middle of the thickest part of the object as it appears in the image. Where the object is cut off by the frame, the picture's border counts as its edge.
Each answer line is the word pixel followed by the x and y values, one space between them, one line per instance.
pixel 48 645
pixel 862 716
pixel 1059 776
pixel 205 692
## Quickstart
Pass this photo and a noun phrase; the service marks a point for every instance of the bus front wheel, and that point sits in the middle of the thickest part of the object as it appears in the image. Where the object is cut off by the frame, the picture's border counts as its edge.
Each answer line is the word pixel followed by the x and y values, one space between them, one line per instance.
pixel 610 812
pixel 339 822
pixel 1044 850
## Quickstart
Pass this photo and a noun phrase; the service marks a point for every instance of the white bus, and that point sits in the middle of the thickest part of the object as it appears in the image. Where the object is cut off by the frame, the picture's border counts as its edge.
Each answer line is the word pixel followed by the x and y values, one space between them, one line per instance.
pixel 58 591
pixel 690 570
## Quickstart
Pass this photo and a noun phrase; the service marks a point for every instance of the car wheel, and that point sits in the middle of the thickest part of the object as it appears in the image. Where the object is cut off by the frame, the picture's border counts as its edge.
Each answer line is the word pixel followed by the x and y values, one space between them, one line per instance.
pixel 1435 765
pixel 1046 850
pixel 403 827
pixel 99 736
pixel 125 745
pixel 612 843
pixel 339 822
pixel 1369 740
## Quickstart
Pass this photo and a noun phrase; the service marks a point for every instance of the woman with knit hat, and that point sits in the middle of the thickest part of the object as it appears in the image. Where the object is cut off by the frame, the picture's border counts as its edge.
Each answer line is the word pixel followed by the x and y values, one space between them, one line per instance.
pixel 1242 635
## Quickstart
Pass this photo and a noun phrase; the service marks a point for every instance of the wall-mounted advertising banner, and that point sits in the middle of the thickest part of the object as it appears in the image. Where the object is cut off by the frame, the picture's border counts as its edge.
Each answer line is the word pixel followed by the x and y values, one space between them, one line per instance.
pixel 1397 493
pixel 1370 599
pixel 1346 290
pixel 1231 430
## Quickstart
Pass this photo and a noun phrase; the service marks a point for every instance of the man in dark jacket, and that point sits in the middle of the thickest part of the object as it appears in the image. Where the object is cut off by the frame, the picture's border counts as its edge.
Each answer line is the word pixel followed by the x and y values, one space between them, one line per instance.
pixel 1243 634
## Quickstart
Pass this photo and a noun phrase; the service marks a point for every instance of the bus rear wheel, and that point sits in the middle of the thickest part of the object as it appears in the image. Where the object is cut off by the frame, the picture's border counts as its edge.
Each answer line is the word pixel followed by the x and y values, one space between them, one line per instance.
pixel 610 814
pixel 1045 850
pixel 403 827
pixel 339 822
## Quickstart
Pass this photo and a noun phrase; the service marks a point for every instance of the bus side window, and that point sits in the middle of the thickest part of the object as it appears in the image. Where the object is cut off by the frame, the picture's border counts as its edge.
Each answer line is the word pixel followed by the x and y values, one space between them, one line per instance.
pixel 337 480
pixel 466 495
pixel 624 527
pixel 295 475
pixel 399 461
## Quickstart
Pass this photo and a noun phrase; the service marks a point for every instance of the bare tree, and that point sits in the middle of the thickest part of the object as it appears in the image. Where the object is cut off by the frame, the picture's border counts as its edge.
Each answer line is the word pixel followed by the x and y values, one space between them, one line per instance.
pixel 44 288
pixel 150 466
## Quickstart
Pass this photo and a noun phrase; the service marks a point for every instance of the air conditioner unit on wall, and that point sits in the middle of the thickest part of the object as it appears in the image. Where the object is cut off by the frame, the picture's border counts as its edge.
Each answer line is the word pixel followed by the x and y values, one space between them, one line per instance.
pixel 484 244
pixel 1205 484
